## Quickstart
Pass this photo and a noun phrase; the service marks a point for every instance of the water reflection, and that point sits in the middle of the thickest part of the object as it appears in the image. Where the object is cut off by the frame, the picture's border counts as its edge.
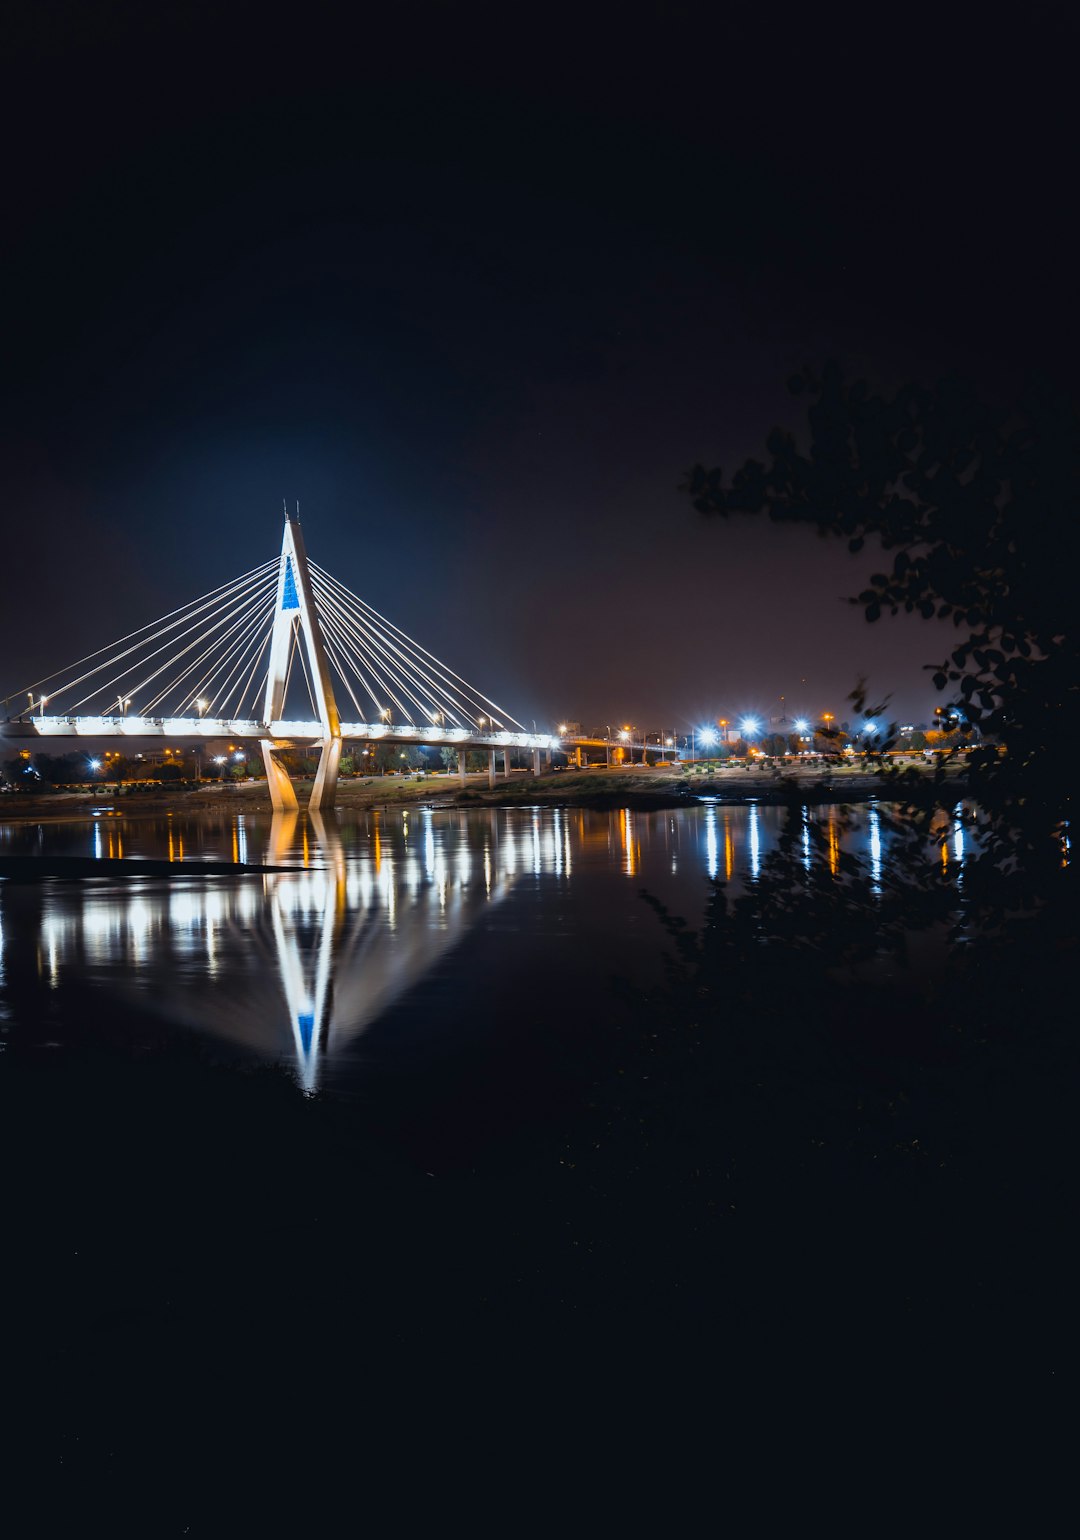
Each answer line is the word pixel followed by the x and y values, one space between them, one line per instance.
pixel 755 842
pixel 874 823
pixel 300 961
pixel 712 862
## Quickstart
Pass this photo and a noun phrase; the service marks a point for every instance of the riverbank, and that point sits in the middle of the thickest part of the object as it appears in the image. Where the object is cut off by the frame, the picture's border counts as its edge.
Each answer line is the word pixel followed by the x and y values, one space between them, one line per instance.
pixel 602 789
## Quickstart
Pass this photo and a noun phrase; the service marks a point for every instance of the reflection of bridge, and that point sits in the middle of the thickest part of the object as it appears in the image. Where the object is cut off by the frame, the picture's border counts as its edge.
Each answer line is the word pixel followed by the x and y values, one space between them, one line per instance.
pixel 341 957
pixel 289 636
pixel 297 964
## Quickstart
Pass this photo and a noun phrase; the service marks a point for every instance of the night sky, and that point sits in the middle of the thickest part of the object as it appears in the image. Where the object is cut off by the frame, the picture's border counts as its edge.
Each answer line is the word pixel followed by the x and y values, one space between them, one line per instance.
pixel 477 286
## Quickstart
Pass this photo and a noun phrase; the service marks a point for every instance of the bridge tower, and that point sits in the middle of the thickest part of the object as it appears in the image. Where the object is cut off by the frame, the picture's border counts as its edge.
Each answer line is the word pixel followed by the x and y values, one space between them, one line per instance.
pixel 296 612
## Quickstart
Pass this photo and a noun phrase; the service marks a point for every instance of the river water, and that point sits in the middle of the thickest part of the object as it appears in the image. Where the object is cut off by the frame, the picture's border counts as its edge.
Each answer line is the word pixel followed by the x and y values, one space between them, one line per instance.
pixel 462 957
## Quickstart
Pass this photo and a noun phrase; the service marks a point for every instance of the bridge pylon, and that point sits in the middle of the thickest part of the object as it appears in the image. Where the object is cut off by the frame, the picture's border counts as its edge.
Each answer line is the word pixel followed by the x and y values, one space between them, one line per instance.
pixel 296 612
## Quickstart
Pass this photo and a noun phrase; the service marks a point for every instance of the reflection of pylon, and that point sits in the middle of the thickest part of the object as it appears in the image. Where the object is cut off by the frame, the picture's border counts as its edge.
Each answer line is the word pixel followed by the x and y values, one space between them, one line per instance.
pixel 308 987
pixel 296 612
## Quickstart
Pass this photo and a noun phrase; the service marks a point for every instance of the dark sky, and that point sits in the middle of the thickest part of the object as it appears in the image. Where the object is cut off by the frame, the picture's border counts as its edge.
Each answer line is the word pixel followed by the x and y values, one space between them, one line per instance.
pixel 477 286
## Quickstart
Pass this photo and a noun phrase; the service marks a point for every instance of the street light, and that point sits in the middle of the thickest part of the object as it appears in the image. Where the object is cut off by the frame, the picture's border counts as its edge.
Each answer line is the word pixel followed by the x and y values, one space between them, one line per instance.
pixel 200 706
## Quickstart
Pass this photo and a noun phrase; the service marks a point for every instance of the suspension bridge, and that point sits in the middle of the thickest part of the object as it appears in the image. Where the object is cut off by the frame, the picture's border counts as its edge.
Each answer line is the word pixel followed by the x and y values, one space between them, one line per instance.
pixel 275 656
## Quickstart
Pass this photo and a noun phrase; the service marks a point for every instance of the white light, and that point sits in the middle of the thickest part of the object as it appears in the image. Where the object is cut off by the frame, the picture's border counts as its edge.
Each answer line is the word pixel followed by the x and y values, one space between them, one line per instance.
pixel 802 725
pixel 749 725
pixel 709 735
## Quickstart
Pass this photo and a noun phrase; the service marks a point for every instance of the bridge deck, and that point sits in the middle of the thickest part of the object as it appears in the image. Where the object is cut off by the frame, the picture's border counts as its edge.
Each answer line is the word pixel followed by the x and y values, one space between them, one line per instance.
pixel 282 733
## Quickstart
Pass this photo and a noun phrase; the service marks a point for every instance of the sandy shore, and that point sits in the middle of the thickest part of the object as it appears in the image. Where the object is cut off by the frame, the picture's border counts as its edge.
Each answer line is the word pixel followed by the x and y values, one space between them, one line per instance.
pixel 599 788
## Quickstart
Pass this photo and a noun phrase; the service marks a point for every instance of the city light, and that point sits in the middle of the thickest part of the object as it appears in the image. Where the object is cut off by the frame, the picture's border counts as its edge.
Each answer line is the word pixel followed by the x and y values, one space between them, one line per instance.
pixel 709 735
pixel 748 726
pixel 802 725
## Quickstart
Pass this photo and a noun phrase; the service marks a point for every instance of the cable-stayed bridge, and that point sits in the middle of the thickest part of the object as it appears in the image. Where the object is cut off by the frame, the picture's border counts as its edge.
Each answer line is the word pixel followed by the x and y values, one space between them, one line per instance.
pixel 284 654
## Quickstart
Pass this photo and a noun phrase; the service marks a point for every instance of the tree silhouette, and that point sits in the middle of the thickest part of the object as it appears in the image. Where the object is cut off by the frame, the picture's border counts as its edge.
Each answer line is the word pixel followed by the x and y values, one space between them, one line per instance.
pixel 980 507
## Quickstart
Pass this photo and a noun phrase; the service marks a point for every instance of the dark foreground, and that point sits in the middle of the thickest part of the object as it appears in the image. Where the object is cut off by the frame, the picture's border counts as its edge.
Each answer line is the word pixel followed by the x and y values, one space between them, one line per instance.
pixel 858 1209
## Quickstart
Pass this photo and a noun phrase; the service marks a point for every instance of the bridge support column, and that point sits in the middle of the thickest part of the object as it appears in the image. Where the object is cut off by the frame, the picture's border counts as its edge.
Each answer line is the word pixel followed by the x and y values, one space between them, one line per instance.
pixel 282 795
pixel 536 761
pixel 506 763
pixel 461 760
pixel 324 791
pixel 491 768
pixel 580 762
